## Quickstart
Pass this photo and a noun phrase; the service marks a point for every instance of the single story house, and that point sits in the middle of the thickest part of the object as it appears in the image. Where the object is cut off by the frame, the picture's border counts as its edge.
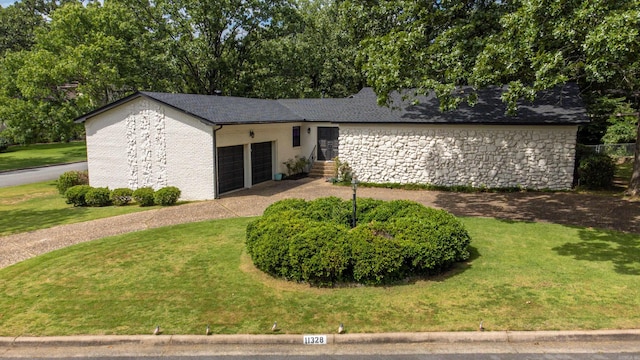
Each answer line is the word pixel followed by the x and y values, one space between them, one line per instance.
pixel 209 145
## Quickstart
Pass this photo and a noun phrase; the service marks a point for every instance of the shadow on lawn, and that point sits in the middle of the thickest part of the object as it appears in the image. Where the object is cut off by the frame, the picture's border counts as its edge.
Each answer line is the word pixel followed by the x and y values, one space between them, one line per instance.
pixel 595 211
pixel 622 250
pixel 15 221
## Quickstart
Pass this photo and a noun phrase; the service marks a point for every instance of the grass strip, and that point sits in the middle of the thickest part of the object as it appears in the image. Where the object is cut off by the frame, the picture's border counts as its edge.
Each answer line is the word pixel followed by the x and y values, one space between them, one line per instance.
pixel 39 205
pixel 522 276
pixel 21 157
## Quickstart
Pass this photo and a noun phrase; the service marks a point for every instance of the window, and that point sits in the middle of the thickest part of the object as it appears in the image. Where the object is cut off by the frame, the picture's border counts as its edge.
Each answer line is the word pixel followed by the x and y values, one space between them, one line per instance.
pixel 296 136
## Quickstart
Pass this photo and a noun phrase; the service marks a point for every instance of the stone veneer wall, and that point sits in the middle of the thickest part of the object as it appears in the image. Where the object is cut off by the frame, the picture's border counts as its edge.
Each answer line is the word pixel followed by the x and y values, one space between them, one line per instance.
pixel 537 157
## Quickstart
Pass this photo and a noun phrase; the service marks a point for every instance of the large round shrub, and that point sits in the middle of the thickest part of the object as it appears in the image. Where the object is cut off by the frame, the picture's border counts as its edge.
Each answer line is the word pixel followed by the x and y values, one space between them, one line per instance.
pixel 121 196
pixel 377 256
pixel 167 196
pixel 97 197
pixel 71 178
pixel 76 195
pixel 144 196
pixel 268 243
pixel 313 242
pixel 321 255
pixel 596 171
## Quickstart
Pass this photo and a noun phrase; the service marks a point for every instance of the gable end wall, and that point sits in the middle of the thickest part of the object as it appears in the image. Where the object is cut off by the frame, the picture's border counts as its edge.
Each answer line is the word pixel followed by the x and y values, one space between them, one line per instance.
pixel 536 157
pixel 143 143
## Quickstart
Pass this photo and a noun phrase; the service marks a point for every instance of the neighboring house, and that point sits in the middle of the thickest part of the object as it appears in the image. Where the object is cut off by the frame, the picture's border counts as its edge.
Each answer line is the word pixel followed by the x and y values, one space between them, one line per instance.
pixel 209 145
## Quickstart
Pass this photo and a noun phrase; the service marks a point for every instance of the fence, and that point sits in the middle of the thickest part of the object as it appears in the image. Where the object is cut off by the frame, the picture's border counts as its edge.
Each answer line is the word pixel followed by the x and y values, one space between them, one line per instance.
pixel 614 149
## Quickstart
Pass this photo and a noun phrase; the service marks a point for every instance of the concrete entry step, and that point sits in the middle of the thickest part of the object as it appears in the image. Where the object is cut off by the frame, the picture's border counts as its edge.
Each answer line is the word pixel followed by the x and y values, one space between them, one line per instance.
pixel 322 169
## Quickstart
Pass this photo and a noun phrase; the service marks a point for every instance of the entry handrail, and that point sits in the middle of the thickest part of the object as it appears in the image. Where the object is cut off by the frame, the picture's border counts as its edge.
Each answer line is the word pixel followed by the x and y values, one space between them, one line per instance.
pixel 310 160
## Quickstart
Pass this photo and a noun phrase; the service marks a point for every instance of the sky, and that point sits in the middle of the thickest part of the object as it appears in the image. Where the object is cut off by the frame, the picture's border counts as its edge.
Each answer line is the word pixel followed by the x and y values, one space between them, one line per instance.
pixel 5 3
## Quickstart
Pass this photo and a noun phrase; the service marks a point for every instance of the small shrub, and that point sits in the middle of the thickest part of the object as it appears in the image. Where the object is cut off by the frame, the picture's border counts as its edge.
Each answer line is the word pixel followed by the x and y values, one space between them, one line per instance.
pixel 342 171
pixel 596 171
pixel 144 196
pixel 4 144
pixel 76 195
pixel 71 178
pixel 98 197
pixel 121 196
pixel 167 196
pixel 296 165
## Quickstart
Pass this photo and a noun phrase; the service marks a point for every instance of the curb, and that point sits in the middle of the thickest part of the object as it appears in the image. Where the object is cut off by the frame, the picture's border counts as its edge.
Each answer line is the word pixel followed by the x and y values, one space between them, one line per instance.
pixel 331 339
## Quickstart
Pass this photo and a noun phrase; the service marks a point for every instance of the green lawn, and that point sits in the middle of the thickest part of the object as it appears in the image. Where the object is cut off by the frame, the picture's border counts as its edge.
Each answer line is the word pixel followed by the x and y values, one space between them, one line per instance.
pixel 522 276
pixel 20 157
pixel 38 206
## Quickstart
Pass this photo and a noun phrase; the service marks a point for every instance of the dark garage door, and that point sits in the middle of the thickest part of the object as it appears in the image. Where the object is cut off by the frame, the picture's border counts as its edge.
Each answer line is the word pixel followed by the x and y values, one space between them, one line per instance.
pixel 230 168
pixel 261 166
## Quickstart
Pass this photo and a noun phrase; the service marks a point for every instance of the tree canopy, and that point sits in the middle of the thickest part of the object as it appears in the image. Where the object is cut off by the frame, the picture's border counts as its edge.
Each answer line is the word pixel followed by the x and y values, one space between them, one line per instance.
pixel 530 45
pixel 60 58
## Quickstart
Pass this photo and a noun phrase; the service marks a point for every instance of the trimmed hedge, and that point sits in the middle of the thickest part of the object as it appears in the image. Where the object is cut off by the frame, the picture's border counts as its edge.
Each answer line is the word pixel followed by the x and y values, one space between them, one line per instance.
pixel 97 197
pixel 313 242
pixel 71 178
pixel 144 196
pixel 121 196
pixel 76 195
pixel 166 196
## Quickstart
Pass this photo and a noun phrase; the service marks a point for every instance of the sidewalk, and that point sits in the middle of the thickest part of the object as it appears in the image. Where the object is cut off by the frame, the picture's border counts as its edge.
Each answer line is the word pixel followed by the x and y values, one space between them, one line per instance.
pixel 500 342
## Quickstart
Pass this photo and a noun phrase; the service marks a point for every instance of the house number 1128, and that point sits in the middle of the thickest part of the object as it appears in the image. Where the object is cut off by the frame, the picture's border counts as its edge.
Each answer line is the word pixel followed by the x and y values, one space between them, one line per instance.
pixel 315 339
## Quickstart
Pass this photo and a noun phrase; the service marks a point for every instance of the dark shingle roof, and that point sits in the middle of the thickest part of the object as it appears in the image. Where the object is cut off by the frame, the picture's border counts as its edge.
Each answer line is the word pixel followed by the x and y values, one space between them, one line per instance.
pixel 227 109
pixel 561 106
pixel 213 109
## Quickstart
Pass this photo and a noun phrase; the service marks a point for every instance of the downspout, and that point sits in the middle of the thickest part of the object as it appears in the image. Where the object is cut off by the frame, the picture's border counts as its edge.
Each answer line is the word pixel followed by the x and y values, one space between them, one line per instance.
pixel 216 187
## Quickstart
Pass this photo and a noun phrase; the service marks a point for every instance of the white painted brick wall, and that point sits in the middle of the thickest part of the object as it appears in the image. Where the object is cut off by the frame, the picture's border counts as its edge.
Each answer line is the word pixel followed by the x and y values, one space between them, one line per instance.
pixel 143 143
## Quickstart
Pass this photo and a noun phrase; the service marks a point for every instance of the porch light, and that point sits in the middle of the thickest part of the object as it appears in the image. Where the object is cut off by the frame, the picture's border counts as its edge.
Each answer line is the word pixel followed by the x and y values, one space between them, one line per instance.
pixel 252 134
pixel 354 186
pixel 308 130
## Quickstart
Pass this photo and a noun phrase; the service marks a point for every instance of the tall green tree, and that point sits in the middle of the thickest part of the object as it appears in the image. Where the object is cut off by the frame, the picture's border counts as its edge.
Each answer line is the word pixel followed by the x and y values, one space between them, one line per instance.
pixel 19 21
pixel 317 57
pixel 531 45
pixel 85 56
pixel 209 41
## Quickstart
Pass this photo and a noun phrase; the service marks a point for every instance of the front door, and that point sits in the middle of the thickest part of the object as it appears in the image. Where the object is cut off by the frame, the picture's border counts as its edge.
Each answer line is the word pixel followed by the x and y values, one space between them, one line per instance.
pixel 327 143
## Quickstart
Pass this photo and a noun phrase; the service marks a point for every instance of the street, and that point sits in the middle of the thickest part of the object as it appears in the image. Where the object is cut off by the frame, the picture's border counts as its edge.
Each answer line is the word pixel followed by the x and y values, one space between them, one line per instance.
pixel 27 176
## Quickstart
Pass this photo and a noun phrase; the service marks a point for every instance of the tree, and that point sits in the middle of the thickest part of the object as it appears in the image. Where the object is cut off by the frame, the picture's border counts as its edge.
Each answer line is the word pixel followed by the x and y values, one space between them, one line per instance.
pixel 85 57
pixel 531 45
pixel 19 21
pixel 317 57
pixel 209 41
